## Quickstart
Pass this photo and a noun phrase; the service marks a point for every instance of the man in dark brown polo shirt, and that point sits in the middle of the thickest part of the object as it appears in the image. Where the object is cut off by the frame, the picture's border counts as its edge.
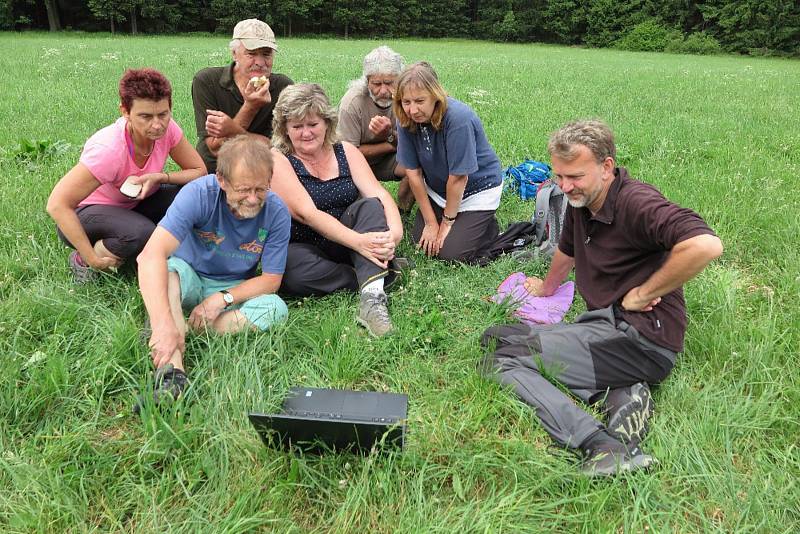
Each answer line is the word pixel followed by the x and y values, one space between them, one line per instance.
pixel 238 99
pixel 632 251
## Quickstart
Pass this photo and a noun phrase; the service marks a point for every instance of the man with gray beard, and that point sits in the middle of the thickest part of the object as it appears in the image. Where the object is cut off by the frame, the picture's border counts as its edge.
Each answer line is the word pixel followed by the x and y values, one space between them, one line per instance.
pixel 366 119
pixel 204 256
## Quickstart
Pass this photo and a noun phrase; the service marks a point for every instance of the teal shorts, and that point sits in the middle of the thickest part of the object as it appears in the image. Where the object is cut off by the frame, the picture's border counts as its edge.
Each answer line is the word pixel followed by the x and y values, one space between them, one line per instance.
pixel 263 311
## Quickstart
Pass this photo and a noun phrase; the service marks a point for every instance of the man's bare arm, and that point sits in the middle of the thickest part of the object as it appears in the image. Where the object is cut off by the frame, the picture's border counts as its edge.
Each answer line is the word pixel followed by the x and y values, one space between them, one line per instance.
pixel 560 267
pixel 685 261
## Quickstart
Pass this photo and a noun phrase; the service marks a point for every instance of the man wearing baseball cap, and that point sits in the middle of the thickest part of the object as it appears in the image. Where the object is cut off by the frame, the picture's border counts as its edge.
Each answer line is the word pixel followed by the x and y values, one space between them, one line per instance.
pixel 233 100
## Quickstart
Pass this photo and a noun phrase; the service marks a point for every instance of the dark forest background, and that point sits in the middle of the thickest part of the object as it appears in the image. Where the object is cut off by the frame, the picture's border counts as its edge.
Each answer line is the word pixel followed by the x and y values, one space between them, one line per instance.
pixel 754 27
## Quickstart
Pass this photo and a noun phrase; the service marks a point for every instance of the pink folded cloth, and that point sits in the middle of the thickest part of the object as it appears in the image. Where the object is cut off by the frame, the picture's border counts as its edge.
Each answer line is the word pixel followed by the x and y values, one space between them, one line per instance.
pixel 535 310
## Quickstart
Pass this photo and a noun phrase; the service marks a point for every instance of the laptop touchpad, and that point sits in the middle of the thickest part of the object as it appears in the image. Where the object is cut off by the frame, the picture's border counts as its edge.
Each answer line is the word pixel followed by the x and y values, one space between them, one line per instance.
pixel 360 404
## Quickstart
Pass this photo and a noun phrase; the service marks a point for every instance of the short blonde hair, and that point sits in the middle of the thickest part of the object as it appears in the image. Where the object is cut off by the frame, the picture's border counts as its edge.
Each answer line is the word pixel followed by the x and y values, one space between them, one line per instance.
pixel 592 133
pixel 421 76
pixel 297 102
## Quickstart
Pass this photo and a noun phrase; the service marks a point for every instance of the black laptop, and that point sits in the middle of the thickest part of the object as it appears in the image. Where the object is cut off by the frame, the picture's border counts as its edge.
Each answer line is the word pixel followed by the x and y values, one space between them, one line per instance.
pixel 320 420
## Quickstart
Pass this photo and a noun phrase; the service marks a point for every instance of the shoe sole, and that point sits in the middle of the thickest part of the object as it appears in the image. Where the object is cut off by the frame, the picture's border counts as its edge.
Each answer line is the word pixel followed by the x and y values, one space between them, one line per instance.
pixel 638 462
pixel 363 323
pixel 630 424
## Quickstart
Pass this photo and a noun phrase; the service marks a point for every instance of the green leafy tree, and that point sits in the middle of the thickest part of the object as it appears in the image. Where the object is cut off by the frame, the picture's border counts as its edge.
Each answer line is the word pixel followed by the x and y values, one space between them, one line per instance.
pixel 176 15
pixel 344 12
pixel 53 17
pixel 288 11
pixel 648 36
pixel 681 14
pixel 227 13
pixel 564 21
pixel 114 11
pixel 608 20
pixel 442 18
pixel 754 26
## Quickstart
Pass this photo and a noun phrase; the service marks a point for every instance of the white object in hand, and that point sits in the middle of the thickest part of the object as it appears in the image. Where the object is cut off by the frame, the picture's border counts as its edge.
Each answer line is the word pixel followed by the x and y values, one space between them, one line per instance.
pixel 258 81
pixel 130 189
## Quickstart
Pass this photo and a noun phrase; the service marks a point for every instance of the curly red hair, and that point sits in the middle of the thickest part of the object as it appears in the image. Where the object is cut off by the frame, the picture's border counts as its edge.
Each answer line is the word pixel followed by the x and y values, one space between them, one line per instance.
pixel 148 84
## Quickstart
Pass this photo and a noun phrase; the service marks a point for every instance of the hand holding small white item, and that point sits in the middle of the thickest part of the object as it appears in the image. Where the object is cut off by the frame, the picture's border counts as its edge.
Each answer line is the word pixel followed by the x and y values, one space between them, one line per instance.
pixel 131 188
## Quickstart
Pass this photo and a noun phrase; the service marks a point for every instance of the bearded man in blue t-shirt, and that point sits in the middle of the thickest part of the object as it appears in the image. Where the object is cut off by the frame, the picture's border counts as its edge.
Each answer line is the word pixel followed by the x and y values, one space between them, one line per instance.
pixel 204 256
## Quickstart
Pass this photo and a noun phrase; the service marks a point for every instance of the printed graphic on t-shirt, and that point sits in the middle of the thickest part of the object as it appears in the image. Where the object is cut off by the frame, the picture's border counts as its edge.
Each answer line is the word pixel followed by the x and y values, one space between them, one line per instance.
pixel 210 239
pixel 253 247
pixel 213 239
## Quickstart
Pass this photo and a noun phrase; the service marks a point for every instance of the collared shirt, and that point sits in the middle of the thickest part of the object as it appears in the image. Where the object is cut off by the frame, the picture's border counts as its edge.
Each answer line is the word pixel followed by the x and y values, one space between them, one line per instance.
pixel 215 88
pixel 622 245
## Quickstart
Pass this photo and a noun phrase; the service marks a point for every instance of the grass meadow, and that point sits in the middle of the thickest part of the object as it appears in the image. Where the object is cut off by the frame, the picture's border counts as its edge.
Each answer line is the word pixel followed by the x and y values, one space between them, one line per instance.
pixel 716 134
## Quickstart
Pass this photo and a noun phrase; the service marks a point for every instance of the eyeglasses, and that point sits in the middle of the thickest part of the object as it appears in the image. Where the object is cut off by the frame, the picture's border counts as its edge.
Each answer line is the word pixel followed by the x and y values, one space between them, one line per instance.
pixel 246 191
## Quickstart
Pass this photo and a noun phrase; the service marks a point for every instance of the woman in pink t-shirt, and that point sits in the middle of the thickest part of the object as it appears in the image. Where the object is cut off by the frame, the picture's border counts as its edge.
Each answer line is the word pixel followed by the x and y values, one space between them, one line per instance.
pixel 105 219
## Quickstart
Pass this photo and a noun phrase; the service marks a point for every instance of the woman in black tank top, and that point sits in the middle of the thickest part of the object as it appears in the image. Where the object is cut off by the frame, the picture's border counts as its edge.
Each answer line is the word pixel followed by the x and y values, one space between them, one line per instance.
pixel 345 225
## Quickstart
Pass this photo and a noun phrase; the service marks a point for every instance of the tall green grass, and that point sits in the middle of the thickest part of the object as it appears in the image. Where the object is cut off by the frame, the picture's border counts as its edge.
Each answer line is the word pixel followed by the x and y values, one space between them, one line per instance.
pixel 718 135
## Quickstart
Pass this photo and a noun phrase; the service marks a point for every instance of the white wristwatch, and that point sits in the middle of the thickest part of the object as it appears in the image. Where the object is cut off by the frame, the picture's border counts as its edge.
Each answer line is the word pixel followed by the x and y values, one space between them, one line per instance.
pixel 228 298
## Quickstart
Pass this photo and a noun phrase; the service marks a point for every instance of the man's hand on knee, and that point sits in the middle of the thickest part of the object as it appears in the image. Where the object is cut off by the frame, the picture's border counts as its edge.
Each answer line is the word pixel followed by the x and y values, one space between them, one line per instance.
pixel 204 314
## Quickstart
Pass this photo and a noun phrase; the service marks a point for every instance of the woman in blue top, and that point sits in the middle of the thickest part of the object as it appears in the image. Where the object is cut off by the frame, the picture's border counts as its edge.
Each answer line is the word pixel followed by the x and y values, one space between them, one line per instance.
pixel 452 169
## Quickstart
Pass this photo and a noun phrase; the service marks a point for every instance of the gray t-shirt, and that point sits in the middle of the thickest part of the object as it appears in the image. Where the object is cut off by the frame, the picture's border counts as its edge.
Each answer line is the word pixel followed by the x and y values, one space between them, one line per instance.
pixel 355 111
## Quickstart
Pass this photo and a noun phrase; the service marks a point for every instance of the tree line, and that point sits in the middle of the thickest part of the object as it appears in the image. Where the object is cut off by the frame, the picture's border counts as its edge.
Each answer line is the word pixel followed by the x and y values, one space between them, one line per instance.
pixel 755 27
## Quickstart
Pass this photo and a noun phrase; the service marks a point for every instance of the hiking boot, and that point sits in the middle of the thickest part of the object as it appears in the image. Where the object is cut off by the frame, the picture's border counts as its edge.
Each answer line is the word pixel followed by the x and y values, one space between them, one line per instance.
pixel 608 462
pixel 373 314
pixel 81 273
pixel 629 416
pixel 169 383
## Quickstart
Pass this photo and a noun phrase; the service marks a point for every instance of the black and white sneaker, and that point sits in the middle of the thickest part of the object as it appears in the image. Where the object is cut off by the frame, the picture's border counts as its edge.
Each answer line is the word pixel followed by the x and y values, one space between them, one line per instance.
pixel 629 416
pixel 169 384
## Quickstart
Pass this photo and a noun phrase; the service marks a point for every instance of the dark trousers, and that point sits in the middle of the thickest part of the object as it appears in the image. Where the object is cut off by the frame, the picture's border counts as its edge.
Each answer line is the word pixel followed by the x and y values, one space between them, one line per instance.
pixel 594 357
pixel 124 232
pixel 471 232
pixel 328 267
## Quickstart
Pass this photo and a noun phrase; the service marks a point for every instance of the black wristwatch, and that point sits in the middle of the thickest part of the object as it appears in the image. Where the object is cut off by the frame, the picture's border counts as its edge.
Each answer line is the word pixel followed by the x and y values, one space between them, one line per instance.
pixel 448 218
pixel 228 298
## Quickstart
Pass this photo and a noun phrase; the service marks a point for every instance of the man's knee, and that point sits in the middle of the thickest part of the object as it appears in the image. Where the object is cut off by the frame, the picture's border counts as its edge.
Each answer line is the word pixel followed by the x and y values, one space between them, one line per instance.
pixel 265 311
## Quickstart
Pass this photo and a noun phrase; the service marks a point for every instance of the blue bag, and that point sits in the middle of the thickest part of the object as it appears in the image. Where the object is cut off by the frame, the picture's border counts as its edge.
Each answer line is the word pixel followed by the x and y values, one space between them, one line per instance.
pixel 525 178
